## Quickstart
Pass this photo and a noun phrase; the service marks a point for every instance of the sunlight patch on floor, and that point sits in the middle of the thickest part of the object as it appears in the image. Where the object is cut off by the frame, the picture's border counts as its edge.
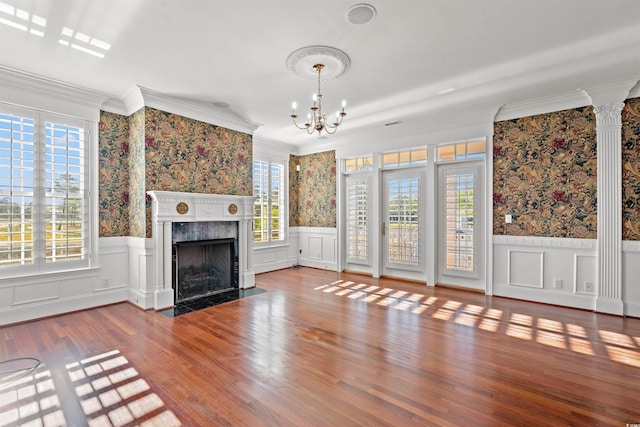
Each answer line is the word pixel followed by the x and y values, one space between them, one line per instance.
pixel 554 333
pixel 108 389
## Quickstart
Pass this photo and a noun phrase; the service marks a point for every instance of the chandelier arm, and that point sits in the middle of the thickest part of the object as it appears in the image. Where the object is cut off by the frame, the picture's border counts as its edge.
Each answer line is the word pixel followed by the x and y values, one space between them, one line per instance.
pixel 328 130
pixel 337 122
pixel 306 125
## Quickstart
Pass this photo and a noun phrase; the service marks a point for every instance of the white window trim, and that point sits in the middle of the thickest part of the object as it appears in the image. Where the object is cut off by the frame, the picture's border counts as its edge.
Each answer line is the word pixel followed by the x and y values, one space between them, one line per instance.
pixel 285 207
pixel 41 268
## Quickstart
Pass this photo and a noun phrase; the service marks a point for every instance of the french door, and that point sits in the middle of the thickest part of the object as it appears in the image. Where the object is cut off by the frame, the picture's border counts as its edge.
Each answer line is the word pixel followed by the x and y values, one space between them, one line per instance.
pixel 403 224
pixel 460 225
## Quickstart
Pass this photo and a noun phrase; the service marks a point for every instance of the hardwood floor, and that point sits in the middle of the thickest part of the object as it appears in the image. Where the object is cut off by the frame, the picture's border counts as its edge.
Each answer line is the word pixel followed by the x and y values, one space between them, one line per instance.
pixel 326 349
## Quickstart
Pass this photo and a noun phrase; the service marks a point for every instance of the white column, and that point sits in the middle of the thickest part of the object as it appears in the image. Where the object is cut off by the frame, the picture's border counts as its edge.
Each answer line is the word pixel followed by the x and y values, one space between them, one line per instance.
pixel 608 100
pixel 245 241
pixel 609 140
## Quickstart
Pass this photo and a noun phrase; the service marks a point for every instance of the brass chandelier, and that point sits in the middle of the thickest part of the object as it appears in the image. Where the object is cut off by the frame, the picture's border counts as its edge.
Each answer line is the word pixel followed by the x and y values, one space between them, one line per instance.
pixel 316 120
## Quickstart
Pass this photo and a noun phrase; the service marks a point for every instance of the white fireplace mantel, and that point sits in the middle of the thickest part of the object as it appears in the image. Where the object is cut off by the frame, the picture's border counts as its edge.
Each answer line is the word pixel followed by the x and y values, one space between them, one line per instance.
pixel 171 206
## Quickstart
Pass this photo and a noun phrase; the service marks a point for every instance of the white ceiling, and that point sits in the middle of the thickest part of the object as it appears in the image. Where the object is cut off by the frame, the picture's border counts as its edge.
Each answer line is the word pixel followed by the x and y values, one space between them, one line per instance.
pixel 493 52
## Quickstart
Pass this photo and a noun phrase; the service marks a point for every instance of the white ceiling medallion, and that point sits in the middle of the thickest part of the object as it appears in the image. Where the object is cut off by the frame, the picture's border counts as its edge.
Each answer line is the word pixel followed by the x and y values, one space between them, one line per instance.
pixel 360 14
pixel 302 61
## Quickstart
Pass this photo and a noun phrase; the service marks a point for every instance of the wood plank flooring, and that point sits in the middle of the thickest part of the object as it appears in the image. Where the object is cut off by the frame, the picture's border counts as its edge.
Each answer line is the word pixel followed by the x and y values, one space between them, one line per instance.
pixel 321 348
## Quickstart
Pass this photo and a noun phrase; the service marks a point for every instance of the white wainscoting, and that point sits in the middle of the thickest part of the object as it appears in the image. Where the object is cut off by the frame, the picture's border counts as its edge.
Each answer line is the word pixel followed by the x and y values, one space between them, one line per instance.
pixel 269 258
pixel 307 246
pixel 318 247
pixel 141 279
pixel 32 297
pixel 546 269
pixel 631 277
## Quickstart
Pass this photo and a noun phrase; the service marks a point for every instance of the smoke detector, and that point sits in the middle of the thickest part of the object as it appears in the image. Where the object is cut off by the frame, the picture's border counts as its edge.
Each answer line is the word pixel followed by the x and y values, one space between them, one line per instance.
pixel 361 14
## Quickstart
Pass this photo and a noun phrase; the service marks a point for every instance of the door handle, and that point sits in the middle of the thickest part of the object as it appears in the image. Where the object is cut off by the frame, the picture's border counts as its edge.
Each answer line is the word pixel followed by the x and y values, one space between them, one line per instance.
pixel 384 229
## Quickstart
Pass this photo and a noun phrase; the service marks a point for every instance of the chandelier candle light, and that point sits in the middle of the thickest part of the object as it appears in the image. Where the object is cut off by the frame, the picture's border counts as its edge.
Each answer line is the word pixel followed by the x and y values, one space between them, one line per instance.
pixel 316 121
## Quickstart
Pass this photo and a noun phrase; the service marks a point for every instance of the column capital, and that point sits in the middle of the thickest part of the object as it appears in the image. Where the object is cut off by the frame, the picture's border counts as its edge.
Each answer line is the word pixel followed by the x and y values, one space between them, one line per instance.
pixel 609 115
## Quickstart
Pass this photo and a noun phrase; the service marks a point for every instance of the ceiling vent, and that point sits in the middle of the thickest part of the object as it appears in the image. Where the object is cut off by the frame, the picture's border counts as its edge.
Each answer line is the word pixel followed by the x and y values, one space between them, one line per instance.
pixel 361 13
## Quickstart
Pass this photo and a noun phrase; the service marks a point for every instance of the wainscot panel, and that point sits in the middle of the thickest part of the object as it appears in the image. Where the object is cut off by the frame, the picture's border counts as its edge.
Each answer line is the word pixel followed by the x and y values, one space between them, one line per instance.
pixel 318 246
pixel 34 297
pixel 546 269
pixel 272 258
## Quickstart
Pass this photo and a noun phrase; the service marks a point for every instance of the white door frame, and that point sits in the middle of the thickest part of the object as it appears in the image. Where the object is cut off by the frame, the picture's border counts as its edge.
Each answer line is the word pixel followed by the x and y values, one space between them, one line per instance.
pixel 417 272
pixel 477 278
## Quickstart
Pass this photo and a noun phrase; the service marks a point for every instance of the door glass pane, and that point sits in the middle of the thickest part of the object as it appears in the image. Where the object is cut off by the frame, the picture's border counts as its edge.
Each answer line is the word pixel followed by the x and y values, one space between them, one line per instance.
pixel 403 221
pixel 459 221
pixel 357 227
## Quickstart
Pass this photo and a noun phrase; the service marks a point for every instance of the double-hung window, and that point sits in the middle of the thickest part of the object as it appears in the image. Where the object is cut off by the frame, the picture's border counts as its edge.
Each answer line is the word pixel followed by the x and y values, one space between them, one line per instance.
pixel 44 195
pixel 269 209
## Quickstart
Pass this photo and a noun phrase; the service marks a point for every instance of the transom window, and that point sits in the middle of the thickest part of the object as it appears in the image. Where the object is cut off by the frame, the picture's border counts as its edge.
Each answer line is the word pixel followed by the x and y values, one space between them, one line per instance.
pixel 461 151
pixel 359 164
pixel 44 197
pixel 413 157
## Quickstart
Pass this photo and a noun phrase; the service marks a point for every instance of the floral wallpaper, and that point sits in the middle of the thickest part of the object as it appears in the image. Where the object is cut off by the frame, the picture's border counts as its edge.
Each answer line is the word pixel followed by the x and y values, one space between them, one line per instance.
pixel 312 190
pixel 544 175
pixel 156 150
pixel 183 154
pixel 137 196
pixel 631 170
pixel 113 179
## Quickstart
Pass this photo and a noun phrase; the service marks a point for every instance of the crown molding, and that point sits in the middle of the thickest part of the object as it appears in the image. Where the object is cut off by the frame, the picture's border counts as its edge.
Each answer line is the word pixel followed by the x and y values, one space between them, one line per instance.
pixel 611 92
pixel 635 91
pixel 42 85
pixel 197 111
pixel 114 105
pixel 558 102
pixel 265 146
pixel 316 148
pixel 32 90
pixel 137 97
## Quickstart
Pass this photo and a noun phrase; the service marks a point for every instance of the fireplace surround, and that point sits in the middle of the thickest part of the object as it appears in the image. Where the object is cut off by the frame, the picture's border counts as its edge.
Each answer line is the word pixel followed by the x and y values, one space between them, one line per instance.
pixel 173 210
